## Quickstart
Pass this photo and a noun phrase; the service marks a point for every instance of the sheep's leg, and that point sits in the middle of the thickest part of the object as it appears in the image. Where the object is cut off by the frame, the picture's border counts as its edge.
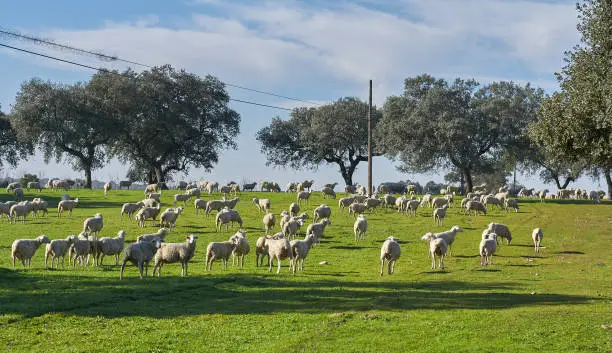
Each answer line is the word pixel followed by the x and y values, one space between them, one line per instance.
pixel 390 266
pixel 242 264
pixel 140 268
pixel 382 265
pixel 279 265
pixel 433 261
pixel 269 264
pixel 116 259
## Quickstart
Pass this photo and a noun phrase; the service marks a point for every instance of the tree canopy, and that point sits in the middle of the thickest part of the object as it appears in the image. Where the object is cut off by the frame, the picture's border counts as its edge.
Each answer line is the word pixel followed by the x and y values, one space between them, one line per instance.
pixel 11 150
pixel 441 125
pixel 335 133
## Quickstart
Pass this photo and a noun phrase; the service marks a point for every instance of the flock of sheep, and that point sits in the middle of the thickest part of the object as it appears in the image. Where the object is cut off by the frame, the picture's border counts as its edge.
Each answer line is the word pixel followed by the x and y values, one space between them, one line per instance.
pixel 284 245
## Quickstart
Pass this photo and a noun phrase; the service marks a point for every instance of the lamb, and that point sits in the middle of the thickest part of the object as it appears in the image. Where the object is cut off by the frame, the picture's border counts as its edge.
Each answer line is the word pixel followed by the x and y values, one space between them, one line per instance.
pixel 263 204
pixel 300 249
pixel 439 214
pixel 303 196
pixel 34 185
pixel 140 254
pixel 475 206
pixel 487 249
pixel 328 192
pixel 80 248
pixel 323 211
pixel 511 203
pixel 345 202
pixel 169 216
pixel 67 205
pixel 391 252
pixel 161 234
pixel 226 216
pixel 24 249
pixel 155 196
pixel 357 208
pixel 219 250
pixel 130 209
pixel 501 230
pixel 318 229
pixel 269 221
pixel 199 204
pixel 437 247
pixel 111 246
pixel 20 210
pixel 294 209
pixel 242 247
pixel 291 227
pixel 175 252
pixel 360 227
pixel 537 236
pixel 57 248
pixel 107 188
pixel 279 249
pixel 181 198
pixel 147 213
pixel 449 237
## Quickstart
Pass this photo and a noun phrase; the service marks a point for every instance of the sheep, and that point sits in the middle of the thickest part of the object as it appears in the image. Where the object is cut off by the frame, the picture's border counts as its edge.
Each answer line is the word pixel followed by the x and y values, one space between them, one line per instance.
pixel 242 247
pixel 60 184
pixel 303 196
pixel 57 248
pixel 199 204
pixel 491 200
pixel 161 234
pixel 360 227
pixel 151 188
pixel 412 206
pixel 24 249
pixel 269 221
pixel 111 246
pixel 501 230
pixel 12 186
pixel 175 252
pixel 439 214
pixel 216 205
pixel 263 204
pixel 300 249
pixel 155 196
pixel 18 194
pixel 150 202
pixel 294 209
pixel 130 209
pixel 542 194
pixel 284 218
pixel 345 202
pixel 427 198
pixel 594 196
pixel 40 205
pixel 249 187
pixel 359 198
pixel 226 216
pixel 290 187
pixel 81 247
pixel 291 227
pixel 537 235
pixel 34 185
pixel 234 189
pixel 67 205
pixel 449 237
pixel 362 191
pixel 232 203
pixel 307 184
pixel 475 206
pixel 219 250
pixel 331 186
pixel 93 225
pixel 5 208
pixel 400 203
pixel 181 198
pixel 328 192
pixel 140 254
pixel 318 229
pixel 20 210
pixel 323 211
pixel 279 249
pixel 389 201
pixel 107 188
pixel 438 202
pixel 372 203
pixel 169 216
pixel 437 247
pixel 212 187
pixel 487 249
pixel 225 190
pixel 357 208
pixel 390 251
pixel 350 189
pixel 147 213
pixel 193 192
pixel 125 183
pixel 511 203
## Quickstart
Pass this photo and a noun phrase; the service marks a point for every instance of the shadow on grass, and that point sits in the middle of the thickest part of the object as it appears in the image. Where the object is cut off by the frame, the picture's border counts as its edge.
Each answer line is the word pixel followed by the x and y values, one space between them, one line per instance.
pixel 84 295
pixel 344 247
pixel 570 252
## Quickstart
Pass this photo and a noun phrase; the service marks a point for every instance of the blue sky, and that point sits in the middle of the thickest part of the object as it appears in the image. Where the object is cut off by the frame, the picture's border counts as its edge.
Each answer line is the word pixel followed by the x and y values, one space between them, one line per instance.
pixel 314 50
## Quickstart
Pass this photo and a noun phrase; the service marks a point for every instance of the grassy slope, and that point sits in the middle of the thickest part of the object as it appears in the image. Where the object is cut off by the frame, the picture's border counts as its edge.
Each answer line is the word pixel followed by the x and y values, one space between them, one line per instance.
pixel 345 306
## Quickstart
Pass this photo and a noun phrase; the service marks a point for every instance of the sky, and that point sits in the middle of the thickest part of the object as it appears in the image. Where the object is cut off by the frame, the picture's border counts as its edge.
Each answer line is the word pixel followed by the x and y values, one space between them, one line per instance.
pixel 313 50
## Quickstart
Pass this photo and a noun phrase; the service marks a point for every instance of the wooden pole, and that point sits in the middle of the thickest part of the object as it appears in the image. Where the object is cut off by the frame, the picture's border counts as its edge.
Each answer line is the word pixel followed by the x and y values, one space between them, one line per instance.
pixel 370 191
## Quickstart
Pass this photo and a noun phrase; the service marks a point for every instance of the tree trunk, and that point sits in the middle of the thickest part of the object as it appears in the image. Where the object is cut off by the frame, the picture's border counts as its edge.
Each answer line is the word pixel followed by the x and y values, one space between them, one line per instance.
pixel 462 183
pixel 565 183
pixel 468 180
pixel 608 175
pixel 87 170
pixel 347 174
pixel 158 175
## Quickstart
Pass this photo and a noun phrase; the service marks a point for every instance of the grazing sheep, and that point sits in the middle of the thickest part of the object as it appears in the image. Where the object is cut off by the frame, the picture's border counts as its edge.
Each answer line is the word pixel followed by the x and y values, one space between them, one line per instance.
pixel 242 247
pixel 475 206
pixel 57 248
pixel 140 254
pixel 219 250
pixel 328 192
pixel 449 237
pixel 284 218
pixel 111 246
pixel 154 196
pixel 151 188
pixel 391 252
pixel 235 189
pixel 427 198
pixel 360 227
pixel 20 210
pixel 125 183
pixel 107 188
pixel 261 249
pixel 169 216
pixel 269 221
pixel 225 190
pixel 34 185
pixel 181 198
pixel 150 202
pixel 594 196
pixel 389 201
pixel 542 194
pixel 199 204
pixel 303 196
pixel 232 203
pixel 491 200
pixel 24 249
pixel 318 229
pixel 350 189
pixel 300 249
pixel 294 209
pixel 359 198
pixel 487 249
pixel 439 214
pixel 81 247
pixel 501 230
pixel 193 192
pixel 212 187
pixel 537 235
pixel 130 209
pixel 438 202
pixel 263 204
pixel 161 234
pixel 67 205
pixel 147 213
pixel 357 208
pixel 12 186
pixel 511 203
pixel 5 209
pixel 216 205
pixel 279 249
pixel 291 227
pixel 372 203
pixel 175 252
pixel 412 206
pixel 437 247
pixel 323 211
pixel 226 216
pixel 362 191
pixel 331 186
pixel 345 202
pixel 249 187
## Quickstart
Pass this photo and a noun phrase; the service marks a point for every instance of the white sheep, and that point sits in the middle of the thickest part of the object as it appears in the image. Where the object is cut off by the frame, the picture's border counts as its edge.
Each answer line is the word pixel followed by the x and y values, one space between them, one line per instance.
pixel 345 202
pixel 151 188
pixel 291 227
pixel 130 208
pixel 542 195
pixel 58 248
pixel 300 249
pixel 34 185
pixel 357 208
pixel 24 249
pixel 426 200
pixel 360 227
pixel 437 248
pixel 150 203
pixel 216 205
pixel 169 216
pixel 511 203
pixel 501 230
pixel 155 196
pixel 279 249
pixel 261 249
pixel 181 198
pixel 226 216
pixel 438 202
pixel 487 249
pixel 475 206
pixel 147 213
pixel 328 192
pixel 67 205
pixel 318 229
pixel 140 254
pixel 107 188
pixel 161 234
pixel 111 246
pixel 20 210
pixel 439 214
pixel 303 196
pixel 449 237
pixel 594 196
pixel 175 252
pixel 294 209
pixel 242 247
pixel 80 249
pixel 412 206
pixel 219 250
pixel 390 251
pixel 537 235
pixel 323 211
pixel 199 204
pixel 269 221
pixel 93 226
pixel 263 204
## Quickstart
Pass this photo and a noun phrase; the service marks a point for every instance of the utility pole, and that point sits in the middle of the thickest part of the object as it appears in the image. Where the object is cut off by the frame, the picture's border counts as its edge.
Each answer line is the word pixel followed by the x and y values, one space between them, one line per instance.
pixel 370 142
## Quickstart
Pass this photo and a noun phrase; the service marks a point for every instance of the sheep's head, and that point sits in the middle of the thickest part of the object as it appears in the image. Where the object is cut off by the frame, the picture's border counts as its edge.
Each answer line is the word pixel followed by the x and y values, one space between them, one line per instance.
pixel 492 236
pixel 392 238
pixel 191 238
pixel 98 215
pixel 84 235
pixel 121 233
pixel 179 210
pixel 326 221
pixel 427 237
pixel 456 229
pixel 43 239
pixel 508 239
pixel 255 200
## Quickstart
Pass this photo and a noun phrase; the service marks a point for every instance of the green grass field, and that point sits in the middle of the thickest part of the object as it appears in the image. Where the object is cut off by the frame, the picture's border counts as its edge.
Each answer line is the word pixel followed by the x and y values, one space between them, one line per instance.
pixel 556 301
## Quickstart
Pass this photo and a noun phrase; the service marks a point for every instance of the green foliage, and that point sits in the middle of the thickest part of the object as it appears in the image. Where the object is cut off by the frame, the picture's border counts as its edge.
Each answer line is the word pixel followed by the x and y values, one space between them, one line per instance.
pixel 26 178
pixel 335 133
pixel 523 302
pixel 435 124
pixel 11 149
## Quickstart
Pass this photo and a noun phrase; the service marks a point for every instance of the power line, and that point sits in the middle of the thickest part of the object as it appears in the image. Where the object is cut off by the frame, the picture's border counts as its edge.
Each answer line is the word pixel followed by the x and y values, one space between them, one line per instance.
pixel 106 70
pixel 116 58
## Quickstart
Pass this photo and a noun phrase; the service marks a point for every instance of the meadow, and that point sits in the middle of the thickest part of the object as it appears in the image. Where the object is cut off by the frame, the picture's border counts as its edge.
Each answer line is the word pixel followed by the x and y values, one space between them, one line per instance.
pixel 556 300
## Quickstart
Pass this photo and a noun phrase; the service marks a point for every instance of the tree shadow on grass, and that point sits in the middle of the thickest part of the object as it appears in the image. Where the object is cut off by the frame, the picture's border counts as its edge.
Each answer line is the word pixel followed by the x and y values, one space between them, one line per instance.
pixel 569 252
pixel 344 247
pixel 32 295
